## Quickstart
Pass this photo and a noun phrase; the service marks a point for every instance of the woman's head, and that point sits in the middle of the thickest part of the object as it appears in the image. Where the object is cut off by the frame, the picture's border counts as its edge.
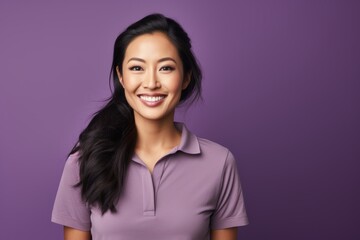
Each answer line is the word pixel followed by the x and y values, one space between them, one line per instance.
pixel 178 37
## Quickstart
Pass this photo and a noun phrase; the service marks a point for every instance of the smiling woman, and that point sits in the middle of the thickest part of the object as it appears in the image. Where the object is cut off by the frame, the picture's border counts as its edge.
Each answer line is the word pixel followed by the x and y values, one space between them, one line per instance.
pixel 135 173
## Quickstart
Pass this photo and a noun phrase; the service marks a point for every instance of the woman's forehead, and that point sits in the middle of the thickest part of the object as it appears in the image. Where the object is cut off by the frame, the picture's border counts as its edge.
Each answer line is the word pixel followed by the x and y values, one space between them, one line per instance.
pixel 151 46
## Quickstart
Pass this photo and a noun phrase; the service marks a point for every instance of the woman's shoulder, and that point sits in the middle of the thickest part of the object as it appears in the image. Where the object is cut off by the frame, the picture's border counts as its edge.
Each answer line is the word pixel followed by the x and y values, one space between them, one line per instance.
pixel 215 152
pixel 72 164
pixel 208 148
pixel 214 147
pixel 73 158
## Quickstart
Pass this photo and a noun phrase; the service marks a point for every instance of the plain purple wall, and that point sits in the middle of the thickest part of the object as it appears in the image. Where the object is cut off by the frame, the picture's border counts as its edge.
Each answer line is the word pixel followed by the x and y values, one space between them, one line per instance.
pixel 281 90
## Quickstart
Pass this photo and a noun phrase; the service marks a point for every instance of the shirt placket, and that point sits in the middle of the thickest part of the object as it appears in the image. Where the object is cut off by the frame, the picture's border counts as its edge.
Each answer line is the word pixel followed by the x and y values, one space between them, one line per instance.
pixel 150 186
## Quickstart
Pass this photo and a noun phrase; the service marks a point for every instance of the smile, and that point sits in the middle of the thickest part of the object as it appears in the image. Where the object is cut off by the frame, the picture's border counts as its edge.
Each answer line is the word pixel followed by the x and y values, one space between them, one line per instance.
pixel 152 98
pixel 152 101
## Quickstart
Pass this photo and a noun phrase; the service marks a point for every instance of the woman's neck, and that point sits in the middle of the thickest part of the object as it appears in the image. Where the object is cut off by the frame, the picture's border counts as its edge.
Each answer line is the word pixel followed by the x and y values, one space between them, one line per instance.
pixel 156 135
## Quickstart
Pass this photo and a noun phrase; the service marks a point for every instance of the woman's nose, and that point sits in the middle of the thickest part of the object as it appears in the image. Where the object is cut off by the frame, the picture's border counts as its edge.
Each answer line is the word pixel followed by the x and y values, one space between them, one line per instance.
pixel 151 81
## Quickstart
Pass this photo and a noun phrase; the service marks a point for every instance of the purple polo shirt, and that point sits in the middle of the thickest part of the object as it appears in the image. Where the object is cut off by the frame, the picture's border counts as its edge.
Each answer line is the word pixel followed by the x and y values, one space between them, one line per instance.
pixel 193 189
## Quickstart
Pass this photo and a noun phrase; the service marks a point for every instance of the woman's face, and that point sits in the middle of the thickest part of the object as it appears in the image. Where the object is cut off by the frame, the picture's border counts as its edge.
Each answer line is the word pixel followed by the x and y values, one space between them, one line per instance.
pixel 152 76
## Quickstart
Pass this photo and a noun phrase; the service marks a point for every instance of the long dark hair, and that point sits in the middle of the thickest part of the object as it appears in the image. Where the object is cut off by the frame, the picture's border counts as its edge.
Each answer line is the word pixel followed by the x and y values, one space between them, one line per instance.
pixel 106 145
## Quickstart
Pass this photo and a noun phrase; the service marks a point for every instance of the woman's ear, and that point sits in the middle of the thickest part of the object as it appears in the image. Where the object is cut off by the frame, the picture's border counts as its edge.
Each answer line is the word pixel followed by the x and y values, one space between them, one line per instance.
pixel 119 76
pixel 186 81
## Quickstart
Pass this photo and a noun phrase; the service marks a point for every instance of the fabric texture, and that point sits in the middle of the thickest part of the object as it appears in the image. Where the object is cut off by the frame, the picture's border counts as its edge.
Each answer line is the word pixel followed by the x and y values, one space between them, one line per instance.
pixel 192 189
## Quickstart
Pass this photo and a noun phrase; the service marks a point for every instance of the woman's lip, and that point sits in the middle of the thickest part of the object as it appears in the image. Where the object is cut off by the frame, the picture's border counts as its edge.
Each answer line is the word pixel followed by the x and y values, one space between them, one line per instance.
pixel 151 94
pixel 152 100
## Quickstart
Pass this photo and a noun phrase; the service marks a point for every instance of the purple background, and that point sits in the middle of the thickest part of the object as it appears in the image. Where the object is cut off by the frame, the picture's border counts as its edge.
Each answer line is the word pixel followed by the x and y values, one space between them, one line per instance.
pixel 281 90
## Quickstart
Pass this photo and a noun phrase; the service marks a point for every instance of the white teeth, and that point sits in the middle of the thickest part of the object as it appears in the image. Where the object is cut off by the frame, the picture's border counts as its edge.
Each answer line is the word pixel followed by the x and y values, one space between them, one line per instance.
pixel 151 98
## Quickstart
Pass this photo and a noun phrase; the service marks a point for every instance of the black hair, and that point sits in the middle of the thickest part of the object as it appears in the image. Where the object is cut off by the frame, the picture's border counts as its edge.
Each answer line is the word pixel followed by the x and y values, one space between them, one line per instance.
pixel 106 145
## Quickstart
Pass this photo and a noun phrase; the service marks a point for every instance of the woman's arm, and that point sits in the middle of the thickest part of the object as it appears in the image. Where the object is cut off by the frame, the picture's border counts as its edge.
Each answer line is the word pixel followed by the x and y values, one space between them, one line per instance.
pixel 224 234
pixel 74 234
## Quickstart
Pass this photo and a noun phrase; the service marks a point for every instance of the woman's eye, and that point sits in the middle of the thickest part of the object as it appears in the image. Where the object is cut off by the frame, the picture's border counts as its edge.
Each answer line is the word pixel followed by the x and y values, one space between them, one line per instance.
pixel 135 68
pixel 166 68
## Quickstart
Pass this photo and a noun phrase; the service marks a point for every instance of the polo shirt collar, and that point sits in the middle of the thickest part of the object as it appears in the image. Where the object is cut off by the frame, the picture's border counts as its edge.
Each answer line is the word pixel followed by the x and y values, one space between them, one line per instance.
pixel 189 143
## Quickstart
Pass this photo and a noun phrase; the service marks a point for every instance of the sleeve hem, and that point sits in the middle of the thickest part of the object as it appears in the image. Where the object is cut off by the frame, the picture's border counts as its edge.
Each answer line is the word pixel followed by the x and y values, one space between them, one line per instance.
pixel 71 223
pixel 230 222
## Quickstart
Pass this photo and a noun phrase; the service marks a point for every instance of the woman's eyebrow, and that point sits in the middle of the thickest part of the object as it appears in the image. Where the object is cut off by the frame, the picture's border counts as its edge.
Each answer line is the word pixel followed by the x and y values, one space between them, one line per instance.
pixel 160 60
pixel 167 59
pixel 136 59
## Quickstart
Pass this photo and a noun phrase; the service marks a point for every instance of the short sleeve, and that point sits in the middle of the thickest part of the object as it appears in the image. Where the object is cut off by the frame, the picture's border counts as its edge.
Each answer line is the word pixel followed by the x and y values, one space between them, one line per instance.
pixel 230 209
pixel 69 209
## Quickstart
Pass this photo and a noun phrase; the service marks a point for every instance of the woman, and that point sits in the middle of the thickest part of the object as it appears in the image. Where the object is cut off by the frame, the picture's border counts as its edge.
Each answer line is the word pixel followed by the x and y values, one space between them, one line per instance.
pixel 137 174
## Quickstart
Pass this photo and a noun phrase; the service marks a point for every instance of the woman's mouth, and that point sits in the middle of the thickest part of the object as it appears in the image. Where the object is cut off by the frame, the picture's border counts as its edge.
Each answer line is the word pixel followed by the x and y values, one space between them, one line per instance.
pixel 151 98
pixel 152 101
